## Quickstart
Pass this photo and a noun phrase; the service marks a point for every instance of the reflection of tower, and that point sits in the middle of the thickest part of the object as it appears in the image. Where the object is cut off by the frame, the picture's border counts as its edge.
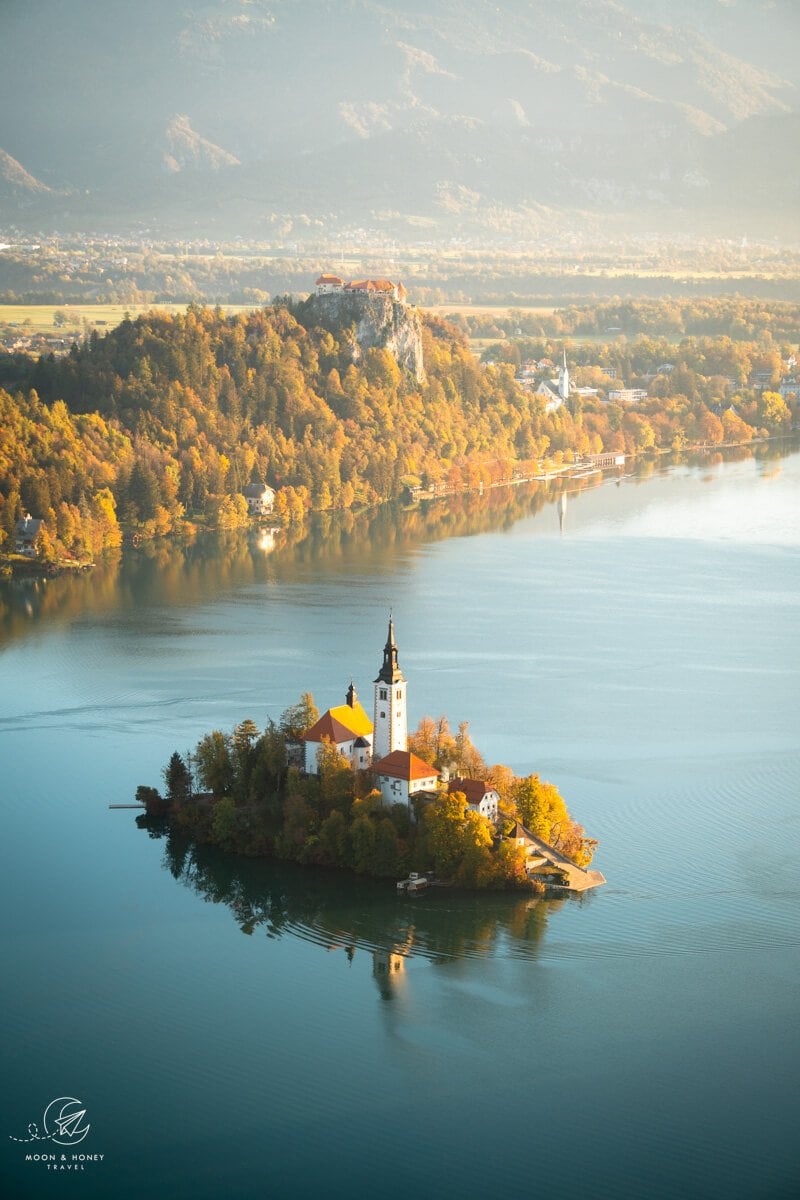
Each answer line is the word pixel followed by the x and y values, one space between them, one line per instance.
pixel 389 972
pixel 391 724
pixel 562 510
pixel 563 380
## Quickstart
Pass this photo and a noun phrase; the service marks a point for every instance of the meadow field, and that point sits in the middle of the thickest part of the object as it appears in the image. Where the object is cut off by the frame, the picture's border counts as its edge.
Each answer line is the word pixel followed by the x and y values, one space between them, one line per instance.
pixel 40 318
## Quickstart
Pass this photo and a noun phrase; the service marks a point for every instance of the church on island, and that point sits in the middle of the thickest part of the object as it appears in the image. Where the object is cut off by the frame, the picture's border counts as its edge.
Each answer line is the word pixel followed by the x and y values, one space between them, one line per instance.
pixel 381 743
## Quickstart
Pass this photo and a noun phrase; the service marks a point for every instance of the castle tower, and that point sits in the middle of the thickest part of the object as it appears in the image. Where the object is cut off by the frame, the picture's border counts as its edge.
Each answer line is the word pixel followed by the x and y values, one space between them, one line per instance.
pixel 391 722
pixel 563 380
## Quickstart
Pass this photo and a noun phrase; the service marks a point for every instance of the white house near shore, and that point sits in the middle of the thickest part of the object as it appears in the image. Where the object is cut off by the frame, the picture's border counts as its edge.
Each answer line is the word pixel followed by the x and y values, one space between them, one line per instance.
pixel 260 499
pixel 25 534
pixel 481 796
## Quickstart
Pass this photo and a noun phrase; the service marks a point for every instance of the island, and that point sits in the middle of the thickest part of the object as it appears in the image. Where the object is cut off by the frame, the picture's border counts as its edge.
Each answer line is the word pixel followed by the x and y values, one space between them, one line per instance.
pixel 341 789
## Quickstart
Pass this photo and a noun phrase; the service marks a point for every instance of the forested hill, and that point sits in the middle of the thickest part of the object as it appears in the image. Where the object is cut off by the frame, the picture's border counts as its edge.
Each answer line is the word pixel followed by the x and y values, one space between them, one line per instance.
pixel 172 416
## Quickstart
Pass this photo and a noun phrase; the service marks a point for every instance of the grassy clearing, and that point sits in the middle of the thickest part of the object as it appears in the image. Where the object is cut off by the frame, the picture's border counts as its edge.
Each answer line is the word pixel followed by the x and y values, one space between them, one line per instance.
pixel 38 318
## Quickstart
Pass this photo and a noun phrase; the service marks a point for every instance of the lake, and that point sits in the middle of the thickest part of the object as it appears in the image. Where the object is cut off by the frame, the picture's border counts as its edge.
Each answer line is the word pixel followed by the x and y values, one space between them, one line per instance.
pixel 251 1029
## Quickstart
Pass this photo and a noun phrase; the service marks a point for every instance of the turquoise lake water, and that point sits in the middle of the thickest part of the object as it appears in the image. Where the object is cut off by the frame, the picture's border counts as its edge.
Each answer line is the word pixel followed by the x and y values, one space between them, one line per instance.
pixel 249 1029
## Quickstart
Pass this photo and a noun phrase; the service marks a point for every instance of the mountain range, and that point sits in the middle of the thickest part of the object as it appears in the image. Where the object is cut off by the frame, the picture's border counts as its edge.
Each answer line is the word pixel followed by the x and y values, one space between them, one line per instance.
pixel 449 118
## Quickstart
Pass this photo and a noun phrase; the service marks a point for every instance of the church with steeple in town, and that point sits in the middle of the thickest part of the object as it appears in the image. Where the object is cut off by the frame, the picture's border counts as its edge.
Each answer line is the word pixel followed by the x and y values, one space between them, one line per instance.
pixel 380 744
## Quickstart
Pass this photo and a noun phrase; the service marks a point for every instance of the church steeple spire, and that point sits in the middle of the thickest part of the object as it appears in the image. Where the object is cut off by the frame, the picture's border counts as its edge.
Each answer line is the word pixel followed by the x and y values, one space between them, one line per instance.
pixel 563 380
pixel 390 670
pixel 391 724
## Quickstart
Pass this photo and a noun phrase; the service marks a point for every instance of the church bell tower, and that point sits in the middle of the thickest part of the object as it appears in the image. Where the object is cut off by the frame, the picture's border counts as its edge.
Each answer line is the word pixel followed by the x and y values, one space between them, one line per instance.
pixel 563 380
pixel 391 722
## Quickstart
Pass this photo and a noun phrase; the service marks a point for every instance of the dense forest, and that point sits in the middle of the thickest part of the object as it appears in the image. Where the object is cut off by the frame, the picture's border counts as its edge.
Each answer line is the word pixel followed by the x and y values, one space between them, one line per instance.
pixel 168 417
pixel 236 791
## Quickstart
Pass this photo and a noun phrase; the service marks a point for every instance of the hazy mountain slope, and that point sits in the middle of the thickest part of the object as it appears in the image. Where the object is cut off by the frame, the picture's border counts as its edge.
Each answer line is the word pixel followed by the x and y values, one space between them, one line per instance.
pixel 15 181
pixel 184 149
pixel 450 110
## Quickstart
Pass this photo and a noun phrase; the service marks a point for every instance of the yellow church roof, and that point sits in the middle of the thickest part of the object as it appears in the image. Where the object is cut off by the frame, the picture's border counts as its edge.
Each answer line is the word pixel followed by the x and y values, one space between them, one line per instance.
pixel 352 718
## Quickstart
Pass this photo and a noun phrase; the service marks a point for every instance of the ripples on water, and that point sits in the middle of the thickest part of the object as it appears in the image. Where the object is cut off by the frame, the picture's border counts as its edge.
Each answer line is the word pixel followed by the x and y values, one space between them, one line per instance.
pixel 645 660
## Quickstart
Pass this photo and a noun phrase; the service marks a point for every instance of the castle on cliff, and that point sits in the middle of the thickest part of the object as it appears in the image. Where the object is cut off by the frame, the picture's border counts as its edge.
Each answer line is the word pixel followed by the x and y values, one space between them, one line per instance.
pixel 332 285
pixel 375 314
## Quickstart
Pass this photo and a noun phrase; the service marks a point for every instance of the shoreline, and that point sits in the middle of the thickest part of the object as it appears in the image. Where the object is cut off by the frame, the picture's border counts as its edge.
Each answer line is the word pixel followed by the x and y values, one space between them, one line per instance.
pixel 322 523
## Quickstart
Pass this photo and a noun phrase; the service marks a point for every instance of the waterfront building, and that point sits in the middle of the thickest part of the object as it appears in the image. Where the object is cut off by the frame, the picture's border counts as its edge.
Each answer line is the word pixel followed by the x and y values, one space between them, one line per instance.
pixel 260 499
pixel 481 796
pixel 25 534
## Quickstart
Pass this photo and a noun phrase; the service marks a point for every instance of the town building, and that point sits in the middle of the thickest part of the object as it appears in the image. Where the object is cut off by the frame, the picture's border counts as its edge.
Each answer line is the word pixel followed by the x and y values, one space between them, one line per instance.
pixel 555 392
pixel 481 796
pixel 627 395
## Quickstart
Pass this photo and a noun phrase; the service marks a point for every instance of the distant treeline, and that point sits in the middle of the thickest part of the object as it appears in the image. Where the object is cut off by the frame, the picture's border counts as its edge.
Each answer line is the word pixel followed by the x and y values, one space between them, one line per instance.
pixel 734 317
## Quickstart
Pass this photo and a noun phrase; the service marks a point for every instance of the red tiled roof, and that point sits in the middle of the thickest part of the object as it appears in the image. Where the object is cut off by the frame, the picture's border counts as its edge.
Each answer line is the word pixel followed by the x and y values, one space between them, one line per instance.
pixel 331 279
pixel 473 789
pixel 369 285
pixel 402 764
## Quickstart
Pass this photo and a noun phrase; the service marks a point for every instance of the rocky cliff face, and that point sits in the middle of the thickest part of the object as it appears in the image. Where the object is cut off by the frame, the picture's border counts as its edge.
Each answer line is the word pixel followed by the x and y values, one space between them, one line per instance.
pixel 380 323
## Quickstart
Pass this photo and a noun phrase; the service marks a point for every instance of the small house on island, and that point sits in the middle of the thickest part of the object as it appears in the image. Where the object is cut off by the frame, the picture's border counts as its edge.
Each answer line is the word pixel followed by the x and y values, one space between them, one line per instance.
pixel 481 796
